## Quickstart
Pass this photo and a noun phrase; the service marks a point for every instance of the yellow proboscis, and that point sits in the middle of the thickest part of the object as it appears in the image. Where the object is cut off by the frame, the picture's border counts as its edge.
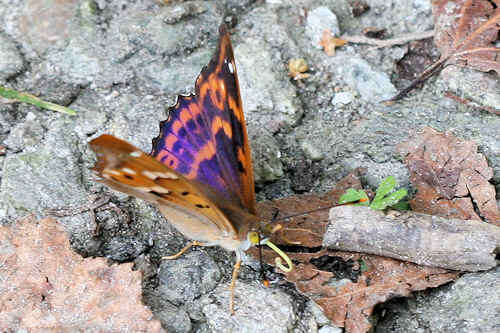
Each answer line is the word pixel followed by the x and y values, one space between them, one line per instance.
pixel 254 239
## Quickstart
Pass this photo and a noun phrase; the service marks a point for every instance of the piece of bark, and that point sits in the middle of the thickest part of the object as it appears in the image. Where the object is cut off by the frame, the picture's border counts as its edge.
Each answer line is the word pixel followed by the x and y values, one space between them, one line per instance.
pixel 422 239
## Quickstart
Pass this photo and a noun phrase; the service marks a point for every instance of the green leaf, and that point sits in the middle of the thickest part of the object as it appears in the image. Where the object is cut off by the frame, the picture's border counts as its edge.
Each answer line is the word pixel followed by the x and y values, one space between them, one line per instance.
pixel 352 195
pixel 390 200
pixel 385 187
pixel 363 267
pixel 402 205
pixel 30 99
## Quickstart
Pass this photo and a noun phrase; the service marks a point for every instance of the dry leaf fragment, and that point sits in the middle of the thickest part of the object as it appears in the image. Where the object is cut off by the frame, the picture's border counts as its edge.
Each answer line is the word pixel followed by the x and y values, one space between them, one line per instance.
pixel 466 32
pixel 346 285
pixel 452 179
pixel 329 42
pixel 47 287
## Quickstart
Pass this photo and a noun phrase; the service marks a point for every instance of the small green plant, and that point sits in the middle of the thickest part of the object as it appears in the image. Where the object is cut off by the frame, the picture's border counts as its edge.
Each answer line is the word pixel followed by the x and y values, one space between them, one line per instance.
pixel 28 98
pixel 385 196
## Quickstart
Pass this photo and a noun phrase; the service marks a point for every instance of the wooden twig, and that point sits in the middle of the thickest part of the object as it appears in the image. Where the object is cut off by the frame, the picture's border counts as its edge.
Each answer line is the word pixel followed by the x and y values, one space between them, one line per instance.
pixel 389 42
pixel 471 103
pixel 422 239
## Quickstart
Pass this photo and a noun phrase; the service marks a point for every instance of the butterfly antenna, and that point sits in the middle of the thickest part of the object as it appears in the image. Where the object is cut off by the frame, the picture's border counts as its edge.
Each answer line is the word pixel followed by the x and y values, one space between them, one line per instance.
pixel 275 219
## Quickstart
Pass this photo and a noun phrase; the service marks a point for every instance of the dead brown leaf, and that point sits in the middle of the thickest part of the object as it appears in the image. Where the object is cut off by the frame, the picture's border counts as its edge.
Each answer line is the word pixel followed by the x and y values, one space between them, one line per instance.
pixel 346 285
pixel 306 230
pixel 47 287
pixel 466 31
pixel 452 179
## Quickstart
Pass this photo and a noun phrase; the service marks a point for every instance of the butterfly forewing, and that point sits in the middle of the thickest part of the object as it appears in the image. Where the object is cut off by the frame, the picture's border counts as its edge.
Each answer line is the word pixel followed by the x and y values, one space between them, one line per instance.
pixel 205 136
pixel 127 169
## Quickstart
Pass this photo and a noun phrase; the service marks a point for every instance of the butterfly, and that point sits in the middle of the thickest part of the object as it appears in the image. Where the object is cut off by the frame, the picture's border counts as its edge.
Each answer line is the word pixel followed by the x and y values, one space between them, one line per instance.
pixel 199 173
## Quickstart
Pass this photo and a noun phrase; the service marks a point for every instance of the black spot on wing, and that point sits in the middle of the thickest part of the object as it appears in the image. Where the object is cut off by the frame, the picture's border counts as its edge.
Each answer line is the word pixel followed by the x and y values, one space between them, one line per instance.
pixel 201 206
pixel 160 195
pixel 241 168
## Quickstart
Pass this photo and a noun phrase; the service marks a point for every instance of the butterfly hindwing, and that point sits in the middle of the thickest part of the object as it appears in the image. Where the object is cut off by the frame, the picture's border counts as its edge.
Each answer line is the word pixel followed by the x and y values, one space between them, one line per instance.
pixel 205 137
pixel 127 169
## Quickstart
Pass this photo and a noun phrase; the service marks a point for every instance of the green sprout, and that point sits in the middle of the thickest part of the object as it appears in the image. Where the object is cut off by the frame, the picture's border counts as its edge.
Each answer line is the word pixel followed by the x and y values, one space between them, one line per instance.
pixel 31 99
pixel 385 196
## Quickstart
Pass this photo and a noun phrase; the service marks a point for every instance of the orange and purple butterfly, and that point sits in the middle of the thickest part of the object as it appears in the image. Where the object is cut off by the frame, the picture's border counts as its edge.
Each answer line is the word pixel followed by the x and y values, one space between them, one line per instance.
pixel 199 173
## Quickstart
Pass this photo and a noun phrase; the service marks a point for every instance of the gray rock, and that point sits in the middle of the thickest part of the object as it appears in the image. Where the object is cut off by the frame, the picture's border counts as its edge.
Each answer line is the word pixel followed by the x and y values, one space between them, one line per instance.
pixel 311 151
pixel 188 277
pixel 257 309
pixel 174 319
pixel 266 156
pixel 28 133
pixel 178 76
pixel 319 20
pixel 178 11
pixel 47 23
pixel 168 38
pixel 264 90
pixel 481 87
pixel 373 86
pixel 468 305
pixel 11 61
pixel 342 98
pixel 46 176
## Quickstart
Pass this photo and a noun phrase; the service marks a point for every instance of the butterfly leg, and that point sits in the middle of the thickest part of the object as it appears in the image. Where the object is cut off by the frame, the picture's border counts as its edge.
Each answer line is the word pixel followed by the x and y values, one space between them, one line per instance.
pixel 236 270
pixel 187 247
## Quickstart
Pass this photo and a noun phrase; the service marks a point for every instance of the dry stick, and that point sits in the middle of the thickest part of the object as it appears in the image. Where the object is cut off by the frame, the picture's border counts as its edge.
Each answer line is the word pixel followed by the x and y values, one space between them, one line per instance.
pixel 399 41
pixel 423 239
pixel 471 103
pixel 389 42
pixel 434 68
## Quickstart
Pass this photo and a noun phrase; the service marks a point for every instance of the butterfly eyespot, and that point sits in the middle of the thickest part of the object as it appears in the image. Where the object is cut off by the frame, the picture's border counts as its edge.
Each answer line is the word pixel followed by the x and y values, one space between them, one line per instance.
pixel 128 170
pixel 185 193
pixel 136 153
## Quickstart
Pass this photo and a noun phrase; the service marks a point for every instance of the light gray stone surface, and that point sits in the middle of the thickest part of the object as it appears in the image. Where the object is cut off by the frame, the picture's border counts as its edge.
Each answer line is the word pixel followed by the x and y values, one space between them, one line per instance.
pixel 257 310
pixel 319 20
pixel 11 61
pixel 468 305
